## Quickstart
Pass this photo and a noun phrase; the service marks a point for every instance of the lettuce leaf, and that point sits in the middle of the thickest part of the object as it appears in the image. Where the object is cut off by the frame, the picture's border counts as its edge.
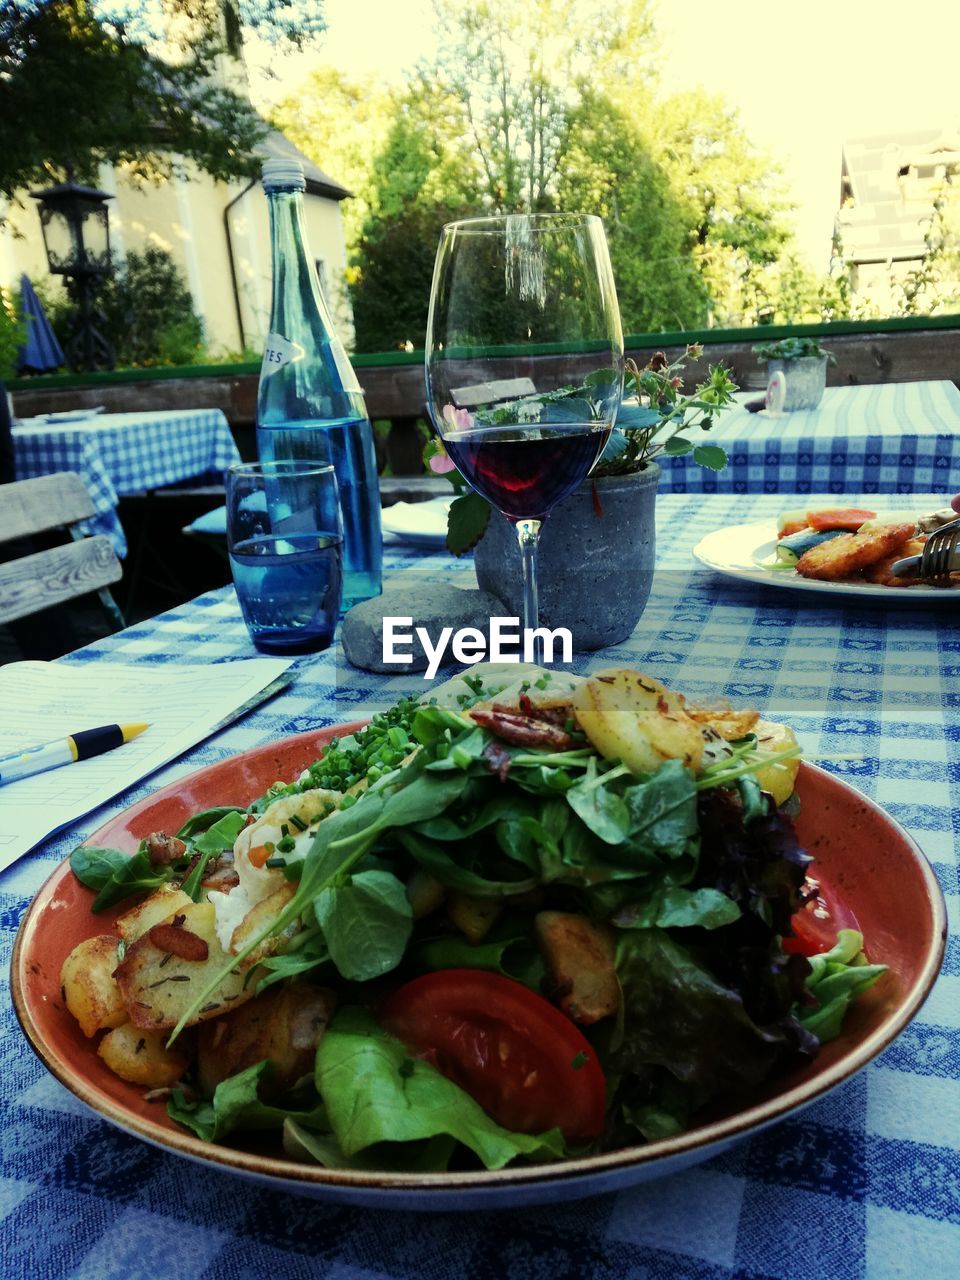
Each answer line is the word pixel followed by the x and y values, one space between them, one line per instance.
pixel 375 1092
pixel 236 1104
pixel 837 977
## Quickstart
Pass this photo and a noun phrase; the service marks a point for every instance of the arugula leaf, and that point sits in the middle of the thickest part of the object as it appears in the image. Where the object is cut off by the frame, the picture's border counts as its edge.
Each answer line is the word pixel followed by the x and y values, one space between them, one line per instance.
pixel 375 1092
pixel 236 1104
pixel 296 960
pixel 367 923
pixel 453 875
pixel 115 874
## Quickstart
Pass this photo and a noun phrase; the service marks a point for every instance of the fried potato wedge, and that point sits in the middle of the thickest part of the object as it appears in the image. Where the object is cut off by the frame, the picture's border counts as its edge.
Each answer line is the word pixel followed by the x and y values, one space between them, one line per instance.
pixel 729 724
pixel 142 1057
pixel 161 905
pixel 283 1024
pixel 157 987
pixel 845 556
pixel 882 573
pixel 629 715
pixel 90 990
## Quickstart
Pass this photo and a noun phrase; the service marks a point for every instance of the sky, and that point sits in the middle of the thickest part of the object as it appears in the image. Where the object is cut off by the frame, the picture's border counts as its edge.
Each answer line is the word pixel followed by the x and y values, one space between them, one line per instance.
pixel 803 76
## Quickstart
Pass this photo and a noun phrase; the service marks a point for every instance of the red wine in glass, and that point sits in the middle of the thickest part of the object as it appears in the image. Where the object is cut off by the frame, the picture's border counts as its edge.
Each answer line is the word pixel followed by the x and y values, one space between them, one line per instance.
pixel 525 472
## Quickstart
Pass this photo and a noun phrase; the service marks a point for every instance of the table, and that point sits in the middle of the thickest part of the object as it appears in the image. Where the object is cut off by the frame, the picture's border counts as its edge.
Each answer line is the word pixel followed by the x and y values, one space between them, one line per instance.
pixel 118 454
pixel 861 1185
pixel 898 437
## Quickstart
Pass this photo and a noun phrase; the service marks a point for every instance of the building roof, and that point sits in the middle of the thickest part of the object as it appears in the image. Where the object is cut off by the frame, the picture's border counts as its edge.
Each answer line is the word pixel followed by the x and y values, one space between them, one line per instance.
pixel 888 185
pixel 277 145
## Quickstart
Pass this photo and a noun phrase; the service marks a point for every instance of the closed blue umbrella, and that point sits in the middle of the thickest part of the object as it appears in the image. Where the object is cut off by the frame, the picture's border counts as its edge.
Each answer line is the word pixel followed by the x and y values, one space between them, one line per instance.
pixel 41 353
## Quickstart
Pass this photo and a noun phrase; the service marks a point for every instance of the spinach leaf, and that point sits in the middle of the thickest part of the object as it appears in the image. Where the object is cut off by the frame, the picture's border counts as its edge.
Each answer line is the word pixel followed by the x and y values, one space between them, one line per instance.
pixel 599 807
pixel 236 1104
pixel 366 922
pixel 214 840
pixel 375 1092
pixel 203 821
pixel 673 907
pixel 518 958
pixel 116 875
pixel 663 810
pixel 453 875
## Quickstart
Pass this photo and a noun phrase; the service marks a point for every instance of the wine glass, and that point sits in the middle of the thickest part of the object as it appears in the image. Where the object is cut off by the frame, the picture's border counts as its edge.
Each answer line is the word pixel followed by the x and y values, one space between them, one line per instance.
pixel 524 363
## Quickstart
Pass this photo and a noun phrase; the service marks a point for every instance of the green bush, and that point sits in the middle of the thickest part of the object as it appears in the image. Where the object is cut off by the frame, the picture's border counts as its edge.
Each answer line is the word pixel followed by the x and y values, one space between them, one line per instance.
pixel 146 311
pixel 12 333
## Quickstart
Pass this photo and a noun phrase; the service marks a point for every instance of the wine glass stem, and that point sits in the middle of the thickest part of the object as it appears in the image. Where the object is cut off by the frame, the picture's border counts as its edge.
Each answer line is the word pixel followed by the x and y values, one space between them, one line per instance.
pixel 528 535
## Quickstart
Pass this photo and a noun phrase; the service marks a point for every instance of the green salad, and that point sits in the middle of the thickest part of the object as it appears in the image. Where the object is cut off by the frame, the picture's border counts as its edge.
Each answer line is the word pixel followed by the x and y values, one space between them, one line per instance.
pixel 526 917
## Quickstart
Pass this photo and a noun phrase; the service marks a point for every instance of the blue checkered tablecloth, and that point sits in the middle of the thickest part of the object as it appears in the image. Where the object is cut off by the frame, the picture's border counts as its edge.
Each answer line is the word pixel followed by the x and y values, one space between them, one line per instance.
pixel 116 454
pixel 899 437
pixel 864 1185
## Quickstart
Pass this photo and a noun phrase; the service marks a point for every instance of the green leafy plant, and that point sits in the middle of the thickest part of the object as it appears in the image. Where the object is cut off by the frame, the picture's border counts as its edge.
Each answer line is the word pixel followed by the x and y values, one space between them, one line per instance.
pixel 792 349
pixel 12 333
pixel 655 417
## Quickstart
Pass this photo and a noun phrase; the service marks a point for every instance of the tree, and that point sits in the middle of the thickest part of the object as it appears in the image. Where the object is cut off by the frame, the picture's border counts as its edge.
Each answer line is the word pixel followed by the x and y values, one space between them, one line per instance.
pixel 609 171
pixel 934 286
pixel 517 76
pixel 421 179
pixel 77 90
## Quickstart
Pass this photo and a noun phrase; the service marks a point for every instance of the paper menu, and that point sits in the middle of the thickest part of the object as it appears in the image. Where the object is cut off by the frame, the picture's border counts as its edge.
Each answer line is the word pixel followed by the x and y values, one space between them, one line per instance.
pixel 41 701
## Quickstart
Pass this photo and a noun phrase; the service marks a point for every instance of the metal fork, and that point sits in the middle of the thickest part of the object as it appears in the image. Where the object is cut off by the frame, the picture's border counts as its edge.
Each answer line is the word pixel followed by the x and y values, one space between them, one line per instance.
pixel 940 557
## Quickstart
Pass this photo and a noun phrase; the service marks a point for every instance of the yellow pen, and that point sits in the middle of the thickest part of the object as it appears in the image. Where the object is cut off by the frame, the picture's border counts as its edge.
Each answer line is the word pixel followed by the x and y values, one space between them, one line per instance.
pixel 77 746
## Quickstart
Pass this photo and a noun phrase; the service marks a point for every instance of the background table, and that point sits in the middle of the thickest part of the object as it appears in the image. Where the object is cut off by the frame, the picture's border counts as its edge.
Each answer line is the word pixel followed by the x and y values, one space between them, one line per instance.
pixel 118 454
pixel 861 1185
pixel 899 437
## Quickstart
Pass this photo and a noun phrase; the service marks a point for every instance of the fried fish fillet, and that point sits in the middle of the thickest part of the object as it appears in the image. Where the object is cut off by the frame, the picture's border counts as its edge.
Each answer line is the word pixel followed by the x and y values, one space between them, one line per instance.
pixel 846 555
pixel 881 572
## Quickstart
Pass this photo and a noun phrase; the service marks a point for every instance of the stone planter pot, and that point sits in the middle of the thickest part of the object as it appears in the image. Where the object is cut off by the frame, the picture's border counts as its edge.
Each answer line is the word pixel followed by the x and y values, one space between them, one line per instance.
pixel 595 571
pixel 806 379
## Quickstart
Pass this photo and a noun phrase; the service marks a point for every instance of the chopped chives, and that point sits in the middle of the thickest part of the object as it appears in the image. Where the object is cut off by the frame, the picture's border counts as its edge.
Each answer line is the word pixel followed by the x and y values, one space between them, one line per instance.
pixel 300 825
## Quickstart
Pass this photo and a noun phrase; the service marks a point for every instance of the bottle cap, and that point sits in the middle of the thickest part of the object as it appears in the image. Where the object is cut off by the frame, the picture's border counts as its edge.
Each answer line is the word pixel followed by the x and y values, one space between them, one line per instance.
pixel 283 173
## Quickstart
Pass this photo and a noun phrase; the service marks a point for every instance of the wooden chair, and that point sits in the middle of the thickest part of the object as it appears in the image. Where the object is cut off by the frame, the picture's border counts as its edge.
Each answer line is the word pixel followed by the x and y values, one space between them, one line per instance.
pixel 44 578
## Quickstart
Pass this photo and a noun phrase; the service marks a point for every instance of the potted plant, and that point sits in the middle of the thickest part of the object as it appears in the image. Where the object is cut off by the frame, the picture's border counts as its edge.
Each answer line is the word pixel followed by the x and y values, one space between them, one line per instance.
pixel 596 550
pixel 803 363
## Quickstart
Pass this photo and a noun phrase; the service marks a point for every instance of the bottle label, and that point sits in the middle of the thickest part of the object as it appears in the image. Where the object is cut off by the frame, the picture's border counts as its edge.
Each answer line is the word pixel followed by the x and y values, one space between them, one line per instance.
pixel 279 351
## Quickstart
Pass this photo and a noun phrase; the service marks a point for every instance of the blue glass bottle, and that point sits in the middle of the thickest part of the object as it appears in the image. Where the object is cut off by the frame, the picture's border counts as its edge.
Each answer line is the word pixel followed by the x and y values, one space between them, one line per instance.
pixel 310 404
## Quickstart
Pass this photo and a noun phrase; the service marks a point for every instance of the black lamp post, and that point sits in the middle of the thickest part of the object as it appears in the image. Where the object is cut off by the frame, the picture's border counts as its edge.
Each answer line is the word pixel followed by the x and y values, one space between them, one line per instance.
pixel 76 236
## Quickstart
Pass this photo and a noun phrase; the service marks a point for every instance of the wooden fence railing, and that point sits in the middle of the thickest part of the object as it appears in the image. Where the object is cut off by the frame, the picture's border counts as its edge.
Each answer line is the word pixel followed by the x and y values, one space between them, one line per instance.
pixel 892 351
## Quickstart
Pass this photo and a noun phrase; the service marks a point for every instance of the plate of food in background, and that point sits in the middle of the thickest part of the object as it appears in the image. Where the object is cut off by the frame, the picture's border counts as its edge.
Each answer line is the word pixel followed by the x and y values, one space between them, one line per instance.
pixel 847 551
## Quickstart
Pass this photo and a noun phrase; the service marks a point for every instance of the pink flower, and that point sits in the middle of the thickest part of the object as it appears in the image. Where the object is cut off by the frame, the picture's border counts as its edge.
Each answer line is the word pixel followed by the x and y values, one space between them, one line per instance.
pixel 441 463
pixel 457 419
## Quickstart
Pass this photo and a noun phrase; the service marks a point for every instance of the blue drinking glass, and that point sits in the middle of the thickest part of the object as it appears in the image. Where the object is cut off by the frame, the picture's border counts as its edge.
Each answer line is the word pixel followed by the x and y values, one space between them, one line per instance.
pixel 285 539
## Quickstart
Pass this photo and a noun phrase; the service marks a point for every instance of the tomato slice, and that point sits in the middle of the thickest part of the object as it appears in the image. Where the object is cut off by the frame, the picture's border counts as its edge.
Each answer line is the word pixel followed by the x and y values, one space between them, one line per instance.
pixel 847 518
pixel 517 1055
pixel 816 924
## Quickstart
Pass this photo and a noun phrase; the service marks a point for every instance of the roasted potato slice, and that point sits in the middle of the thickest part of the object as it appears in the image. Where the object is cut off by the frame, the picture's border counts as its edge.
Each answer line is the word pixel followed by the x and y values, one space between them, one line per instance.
pixel 472 916
pixel 581 959
pixel 284 1024
pixel 629 715
pixel 157 986
pixel 162 903
pixel 142 1057
pixel 257 919
pixel 89 988
pixel 729 724
pixel 778 778
pixel 881 573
